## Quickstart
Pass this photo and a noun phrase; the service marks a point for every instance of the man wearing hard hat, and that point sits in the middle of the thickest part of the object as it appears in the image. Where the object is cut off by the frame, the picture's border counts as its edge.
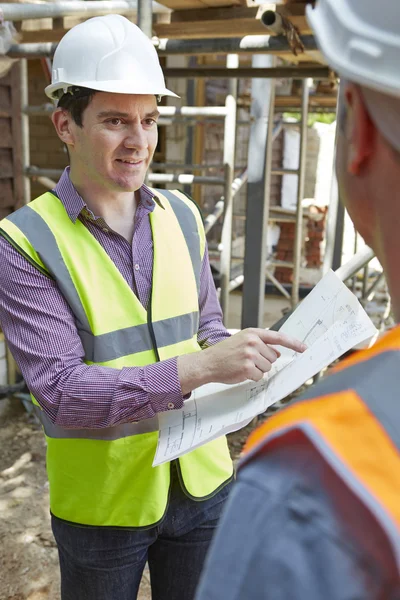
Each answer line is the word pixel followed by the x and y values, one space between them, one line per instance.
pixel 106 299
pixel 315 514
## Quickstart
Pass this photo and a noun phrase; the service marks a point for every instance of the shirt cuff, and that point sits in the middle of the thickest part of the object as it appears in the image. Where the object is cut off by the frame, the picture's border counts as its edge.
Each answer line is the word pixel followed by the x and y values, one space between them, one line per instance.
pixel 163 385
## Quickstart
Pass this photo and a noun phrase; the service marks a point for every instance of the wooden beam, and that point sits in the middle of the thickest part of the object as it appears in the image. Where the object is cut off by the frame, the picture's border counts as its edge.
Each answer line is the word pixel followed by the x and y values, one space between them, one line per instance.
pixel 320 101
pixel 17 136
pixel 199 137
pixel 233 21
pixel 196 4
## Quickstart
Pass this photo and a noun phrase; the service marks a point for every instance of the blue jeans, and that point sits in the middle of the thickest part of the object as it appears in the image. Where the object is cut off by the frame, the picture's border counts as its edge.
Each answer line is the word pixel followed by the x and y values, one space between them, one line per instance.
pixel 102 563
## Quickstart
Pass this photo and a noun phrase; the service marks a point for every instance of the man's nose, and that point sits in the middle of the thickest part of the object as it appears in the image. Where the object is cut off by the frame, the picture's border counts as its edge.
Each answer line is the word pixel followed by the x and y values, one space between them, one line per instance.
pixel 136 137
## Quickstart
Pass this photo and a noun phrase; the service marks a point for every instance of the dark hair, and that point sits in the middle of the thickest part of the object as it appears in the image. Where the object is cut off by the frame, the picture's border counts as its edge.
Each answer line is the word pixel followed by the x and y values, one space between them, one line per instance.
pixel 75 101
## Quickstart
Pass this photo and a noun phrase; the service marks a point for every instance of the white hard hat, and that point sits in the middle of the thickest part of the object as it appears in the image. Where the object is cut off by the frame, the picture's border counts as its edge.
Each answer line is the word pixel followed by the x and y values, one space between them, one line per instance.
pixel 108 54
pixel 360 40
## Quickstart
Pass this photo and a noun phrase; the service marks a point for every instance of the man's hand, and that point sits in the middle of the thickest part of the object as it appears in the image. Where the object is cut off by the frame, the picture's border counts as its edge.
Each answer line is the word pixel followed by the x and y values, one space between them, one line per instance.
pixel 246 355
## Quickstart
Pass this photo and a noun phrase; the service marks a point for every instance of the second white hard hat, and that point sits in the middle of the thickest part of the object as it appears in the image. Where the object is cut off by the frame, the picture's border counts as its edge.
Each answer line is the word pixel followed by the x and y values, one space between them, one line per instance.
pixel 360 40
pixel 108 54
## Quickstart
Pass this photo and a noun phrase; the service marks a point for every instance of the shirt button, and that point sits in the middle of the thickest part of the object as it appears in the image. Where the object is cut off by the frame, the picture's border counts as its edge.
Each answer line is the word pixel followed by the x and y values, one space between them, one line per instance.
pixel 105 229
pixel 171 405
pixel 137 267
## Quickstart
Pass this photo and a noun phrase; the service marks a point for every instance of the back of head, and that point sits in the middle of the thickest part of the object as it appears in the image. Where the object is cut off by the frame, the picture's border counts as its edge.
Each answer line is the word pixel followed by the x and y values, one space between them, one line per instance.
pixel 108 54
pixel 361 41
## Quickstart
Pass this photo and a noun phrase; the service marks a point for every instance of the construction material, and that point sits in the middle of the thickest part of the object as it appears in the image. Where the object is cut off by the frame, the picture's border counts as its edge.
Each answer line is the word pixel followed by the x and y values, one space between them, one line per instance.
pixel 248 44
pixel 73 8
pixel 300 195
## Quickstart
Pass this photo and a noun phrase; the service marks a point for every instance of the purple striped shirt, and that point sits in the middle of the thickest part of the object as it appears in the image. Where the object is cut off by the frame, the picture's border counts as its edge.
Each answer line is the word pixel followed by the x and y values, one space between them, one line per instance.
pixel 40 329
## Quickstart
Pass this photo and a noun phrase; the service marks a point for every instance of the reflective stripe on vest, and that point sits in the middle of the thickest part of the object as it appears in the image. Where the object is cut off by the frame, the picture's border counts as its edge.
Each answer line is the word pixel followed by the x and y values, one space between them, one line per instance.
pixel 104 476
pixel 353 419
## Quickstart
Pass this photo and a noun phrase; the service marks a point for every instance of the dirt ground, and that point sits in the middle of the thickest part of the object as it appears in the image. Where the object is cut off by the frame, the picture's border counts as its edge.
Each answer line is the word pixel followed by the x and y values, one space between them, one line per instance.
pixel 28 554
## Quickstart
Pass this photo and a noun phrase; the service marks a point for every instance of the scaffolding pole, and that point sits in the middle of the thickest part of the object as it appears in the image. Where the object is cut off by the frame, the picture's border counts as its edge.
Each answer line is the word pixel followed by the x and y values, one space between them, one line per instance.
pixel 286 72
pixel 258 195
pixel 74 8
pixel 25 131
pixel 182 178
pixel 145 16
pixel 331 219
pixel 300 194
pixel 339 235
pixel 195 112
pixel 248 44
pixel 232 62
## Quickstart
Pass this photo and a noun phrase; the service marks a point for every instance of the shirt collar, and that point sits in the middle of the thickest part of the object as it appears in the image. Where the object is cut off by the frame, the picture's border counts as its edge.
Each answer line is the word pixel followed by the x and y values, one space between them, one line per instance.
pixel 74 204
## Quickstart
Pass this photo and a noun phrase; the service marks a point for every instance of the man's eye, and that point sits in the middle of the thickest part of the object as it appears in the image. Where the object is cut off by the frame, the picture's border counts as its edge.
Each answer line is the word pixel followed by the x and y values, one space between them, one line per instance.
pixel 115 122
pixel 150 122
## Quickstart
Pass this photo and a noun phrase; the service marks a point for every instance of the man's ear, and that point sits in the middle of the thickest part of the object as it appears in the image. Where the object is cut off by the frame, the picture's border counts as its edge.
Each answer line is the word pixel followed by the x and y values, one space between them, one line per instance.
pixel 63 124
pixel 360 130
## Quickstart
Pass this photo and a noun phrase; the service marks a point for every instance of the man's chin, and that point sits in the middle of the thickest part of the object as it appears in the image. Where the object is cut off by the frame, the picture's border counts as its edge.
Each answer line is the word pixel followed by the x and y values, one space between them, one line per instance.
pixel 128 185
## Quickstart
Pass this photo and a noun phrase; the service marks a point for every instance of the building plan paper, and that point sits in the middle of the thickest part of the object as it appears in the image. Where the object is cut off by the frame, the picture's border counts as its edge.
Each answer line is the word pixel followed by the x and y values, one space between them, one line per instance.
pixel 330 321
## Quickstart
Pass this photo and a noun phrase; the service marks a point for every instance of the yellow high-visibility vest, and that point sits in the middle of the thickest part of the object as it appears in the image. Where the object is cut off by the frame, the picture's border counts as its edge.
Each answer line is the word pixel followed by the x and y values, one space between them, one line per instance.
pixel 105 476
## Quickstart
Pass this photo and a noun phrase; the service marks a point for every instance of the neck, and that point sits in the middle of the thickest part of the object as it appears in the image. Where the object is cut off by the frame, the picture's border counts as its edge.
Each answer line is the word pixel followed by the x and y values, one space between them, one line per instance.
pixel 386 244
pixel 115 207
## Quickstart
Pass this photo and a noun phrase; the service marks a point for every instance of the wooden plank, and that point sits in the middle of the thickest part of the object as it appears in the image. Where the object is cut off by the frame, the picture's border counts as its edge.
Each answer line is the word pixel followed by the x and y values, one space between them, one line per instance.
pixel 320 101
pixel 210 29
pixel 195 4
pixel 6 79
pixel 6 163
pixel 199 133
pixel 17 135
pixel 4 212
pixel 5 97
pixel 5 133
pixel 217 14
pixel 6 193
pixel 224 22
pixel 233 21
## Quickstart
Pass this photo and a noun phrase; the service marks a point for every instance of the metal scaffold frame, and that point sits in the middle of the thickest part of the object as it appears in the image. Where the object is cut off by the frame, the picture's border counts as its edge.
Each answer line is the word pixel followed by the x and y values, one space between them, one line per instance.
pixel 258 174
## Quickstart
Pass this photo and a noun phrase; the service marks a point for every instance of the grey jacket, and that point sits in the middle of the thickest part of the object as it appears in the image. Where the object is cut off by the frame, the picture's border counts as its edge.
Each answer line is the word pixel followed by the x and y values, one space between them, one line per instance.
pixel 292 530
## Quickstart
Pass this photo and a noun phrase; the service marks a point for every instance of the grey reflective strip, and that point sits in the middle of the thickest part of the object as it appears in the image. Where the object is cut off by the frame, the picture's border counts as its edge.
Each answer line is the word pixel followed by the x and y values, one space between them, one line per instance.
pixel 176 329
pixel 106 434
pixel 107 346
pixel 42 239
pixel 188 224
pixel 123 342
pixel 375 381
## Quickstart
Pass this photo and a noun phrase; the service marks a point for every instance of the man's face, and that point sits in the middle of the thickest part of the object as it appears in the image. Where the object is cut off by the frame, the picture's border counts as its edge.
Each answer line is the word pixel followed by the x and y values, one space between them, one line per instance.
pixel 115 145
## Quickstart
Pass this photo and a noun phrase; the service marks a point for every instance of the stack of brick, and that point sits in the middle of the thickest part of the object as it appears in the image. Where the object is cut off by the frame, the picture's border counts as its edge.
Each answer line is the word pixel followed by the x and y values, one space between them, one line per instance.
pixel 285 252
pixel 315 235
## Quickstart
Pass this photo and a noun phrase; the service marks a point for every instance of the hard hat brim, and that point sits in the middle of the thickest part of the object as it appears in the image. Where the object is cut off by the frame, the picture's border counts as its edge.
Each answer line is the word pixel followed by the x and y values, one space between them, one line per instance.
pixel 114 87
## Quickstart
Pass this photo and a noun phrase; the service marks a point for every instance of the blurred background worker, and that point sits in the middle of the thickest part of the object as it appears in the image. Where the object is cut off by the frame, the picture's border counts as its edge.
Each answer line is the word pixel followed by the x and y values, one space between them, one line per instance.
pixel 106 299
pixel 315 513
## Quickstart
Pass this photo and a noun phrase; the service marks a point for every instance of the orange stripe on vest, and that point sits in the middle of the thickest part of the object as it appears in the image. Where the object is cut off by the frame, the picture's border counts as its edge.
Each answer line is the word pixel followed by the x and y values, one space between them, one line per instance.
pixel 353 433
